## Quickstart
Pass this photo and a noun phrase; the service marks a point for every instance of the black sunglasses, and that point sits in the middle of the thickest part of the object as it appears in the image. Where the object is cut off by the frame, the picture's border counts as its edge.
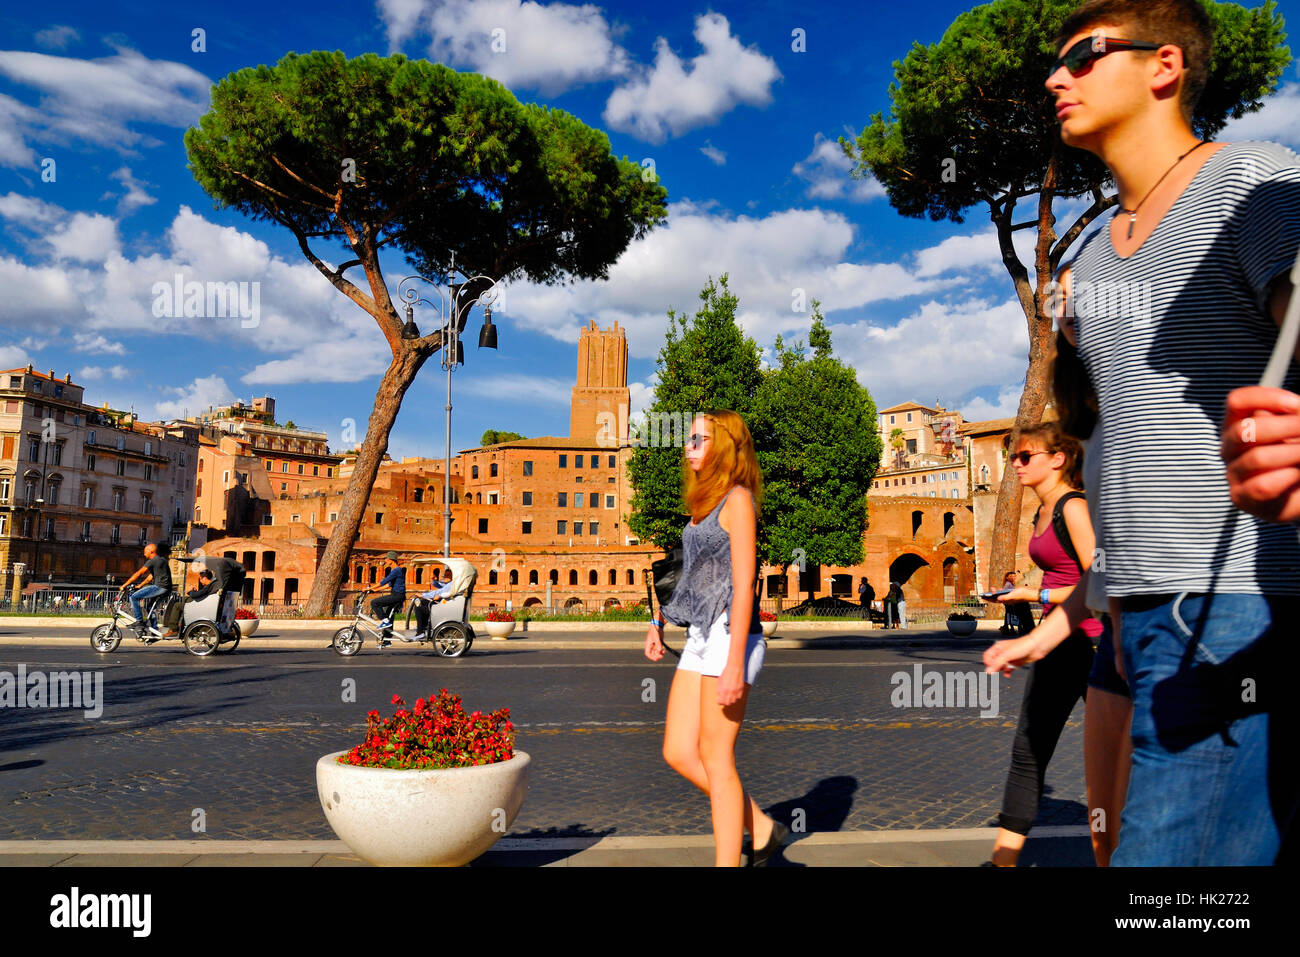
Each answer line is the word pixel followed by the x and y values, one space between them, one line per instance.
pixel 1080 57
pixel 1024 458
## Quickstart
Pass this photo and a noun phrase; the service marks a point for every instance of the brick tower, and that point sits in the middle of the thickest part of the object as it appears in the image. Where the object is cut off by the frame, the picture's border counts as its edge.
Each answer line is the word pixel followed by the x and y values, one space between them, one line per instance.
pixel 602 381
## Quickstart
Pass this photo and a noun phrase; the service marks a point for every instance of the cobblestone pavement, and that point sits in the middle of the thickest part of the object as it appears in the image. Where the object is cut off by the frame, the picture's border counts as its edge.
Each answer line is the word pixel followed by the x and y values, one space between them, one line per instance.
pixel 234 741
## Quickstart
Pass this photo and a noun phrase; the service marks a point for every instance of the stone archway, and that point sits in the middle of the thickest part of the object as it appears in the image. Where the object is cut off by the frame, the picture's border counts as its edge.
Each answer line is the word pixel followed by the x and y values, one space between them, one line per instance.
pixel 902 568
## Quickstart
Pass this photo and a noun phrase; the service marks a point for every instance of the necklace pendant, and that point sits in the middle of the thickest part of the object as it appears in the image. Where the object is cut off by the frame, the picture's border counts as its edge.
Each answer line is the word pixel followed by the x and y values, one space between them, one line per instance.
pixel 1132 221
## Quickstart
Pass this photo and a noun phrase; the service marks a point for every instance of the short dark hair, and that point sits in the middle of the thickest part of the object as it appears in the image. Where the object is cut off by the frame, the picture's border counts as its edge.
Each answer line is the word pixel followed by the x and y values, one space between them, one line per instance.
pixel 1183 23
pixel 205 574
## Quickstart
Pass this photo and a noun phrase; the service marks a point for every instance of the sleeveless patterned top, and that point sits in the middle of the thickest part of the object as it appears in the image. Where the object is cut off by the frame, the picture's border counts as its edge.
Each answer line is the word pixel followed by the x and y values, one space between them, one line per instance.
pixel 705 591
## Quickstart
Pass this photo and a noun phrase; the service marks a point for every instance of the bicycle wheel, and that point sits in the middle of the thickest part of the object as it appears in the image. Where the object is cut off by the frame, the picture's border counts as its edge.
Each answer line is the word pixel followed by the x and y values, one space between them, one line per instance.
pixel 347 641
pixel 106 638
pixel 202 638
pixel 450 641
pixel 233 643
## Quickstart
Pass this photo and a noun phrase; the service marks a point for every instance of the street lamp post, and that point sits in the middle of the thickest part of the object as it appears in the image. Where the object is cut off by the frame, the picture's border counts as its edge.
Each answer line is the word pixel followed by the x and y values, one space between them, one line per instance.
pixel 452 308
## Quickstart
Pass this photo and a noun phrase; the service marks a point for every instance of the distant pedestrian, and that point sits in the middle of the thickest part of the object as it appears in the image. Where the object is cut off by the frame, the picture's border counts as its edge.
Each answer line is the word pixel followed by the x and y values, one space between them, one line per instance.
pixel 724 648
pixel 895 607
pixel 866 595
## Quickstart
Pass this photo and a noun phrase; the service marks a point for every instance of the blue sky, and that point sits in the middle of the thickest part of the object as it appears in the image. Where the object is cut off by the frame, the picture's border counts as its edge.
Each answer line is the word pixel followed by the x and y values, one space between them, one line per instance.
pixel 740 128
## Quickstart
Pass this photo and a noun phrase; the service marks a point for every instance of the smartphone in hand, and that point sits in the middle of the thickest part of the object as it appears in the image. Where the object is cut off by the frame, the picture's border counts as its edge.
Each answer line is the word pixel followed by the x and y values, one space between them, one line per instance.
pixel 990 595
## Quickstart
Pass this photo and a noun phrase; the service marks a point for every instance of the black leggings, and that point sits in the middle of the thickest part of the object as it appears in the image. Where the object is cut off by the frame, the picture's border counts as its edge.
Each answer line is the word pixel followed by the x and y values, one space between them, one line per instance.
pixel 1054 686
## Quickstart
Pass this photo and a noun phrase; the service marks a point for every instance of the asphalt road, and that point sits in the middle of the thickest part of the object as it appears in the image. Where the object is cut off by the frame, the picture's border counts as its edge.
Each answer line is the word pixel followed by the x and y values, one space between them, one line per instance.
pixel 231 741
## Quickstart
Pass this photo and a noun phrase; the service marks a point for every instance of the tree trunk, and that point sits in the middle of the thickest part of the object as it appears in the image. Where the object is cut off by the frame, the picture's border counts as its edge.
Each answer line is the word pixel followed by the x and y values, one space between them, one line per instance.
pixel 388 400
pixel 1006 516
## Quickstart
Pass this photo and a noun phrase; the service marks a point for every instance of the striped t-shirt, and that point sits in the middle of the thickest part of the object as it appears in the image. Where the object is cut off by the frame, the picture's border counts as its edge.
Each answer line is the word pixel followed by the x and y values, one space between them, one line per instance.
pixel 1165 335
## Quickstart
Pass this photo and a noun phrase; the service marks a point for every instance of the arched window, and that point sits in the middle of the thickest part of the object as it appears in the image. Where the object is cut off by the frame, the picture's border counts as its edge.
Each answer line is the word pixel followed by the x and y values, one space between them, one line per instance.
pixel 492 577
pixel 573 577
pixel 593 578
pixel 554 576
pixel 613 576
pixel 514 576
pixel 532 577
pixel 492 470
pixel 418 495
pixel 473 472
pixel 631 577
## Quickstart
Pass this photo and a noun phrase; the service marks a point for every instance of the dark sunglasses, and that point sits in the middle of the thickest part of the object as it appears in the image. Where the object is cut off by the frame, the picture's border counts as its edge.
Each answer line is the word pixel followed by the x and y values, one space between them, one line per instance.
pixel 1024 458
pixel 1080 57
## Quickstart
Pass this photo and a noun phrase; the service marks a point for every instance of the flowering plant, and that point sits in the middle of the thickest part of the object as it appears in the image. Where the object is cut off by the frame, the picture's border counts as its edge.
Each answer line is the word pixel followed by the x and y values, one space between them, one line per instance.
pixel 766 616
pixel 436 733
pixel 497 614
pixel 245 614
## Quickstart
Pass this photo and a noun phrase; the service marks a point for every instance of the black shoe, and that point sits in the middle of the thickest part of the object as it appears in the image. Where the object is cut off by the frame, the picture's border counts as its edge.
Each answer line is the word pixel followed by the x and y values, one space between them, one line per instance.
pixel 761 855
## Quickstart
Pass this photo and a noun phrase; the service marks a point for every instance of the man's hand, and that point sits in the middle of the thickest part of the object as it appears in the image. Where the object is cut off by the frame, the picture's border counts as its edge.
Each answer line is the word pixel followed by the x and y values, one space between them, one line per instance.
pixel 1261 446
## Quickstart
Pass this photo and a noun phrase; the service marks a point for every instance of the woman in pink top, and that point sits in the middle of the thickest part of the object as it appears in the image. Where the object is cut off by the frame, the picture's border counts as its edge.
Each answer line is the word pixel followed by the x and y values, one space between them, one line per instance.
pixel 1049 462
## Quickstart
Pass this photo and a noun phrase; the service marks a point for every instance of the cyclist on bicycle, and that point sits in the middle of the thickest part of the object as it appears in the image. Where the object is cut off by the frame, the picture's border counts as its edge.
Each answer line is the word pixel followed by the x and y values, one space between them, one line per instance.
pixel 156 574
pixel 386 606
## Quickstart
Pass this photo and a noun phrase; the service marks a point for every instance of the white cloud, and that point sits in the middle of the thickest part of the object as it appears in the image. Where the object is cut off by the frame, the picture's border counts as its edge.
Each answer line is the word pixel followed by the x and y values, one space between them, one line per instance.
pixel 827 171
pixel 56 38
pixel 550 48
pixel 88 342
pixel 29 212
pixel 91 373
pixel 641 396
pixel 193 398
pixel 978 250
pixel 952 348
pixel 15 117
pixel 13 357
pixel 767 258
pixel 135 195
pixel 85 238
pixel 340 360
pixel 674 97
pixel 1276 121
pixel 1004 406
pixel 714 154
pixel 97 101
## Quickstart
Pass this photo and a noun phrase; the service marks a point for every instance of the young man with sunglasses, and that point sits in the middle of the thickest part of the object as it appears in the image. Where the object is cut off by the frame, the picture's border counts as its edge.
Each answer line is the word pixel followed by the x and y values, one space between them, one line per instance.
pixel 1203 238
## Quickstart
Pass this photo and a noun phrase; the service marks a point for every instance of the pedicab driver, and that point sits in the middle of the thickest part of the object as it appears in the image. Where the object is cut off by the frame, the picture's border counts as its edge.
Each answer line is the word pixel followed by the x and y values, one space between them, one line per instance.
pixel 386 606
pixel 157 574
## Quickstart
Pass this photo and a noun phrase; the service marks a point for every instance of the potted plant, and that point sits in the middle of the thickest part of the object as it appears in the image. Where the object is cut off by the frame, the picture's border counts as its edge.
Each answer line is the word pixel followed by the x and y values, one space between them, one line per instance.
pixel 961 624
pixel 431 786
pixel 500 623
pixel 248 621
pixel 767 621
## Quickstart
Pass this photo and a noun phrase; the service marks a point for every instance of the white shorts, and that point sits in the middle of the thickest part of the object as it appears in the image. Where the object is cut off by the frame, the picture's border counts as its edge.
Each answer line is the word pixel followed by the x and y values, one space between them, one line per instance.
pixel 707 655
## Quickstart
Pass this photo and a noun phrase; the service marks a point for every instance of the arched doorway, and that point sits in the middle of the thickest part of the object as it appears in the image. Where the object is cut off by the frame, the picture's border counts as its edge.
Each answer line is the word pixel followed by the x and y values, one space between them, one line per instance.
pixel 950 579
pixel 902 568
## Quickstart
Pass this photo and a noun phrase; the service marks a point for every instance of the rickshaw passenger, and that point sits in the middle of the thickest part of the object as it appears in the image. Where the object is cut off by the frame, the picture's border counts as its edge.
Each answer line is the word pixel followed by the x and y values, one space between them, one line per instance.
pixel 443 593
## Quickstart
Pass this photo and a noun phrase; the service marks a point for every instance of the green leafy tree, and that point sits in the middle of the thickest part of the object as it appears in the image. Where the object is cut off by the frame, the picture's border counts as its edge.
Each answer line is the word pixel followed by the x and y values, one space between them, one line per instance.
pixel 815 431
pixel 493 437
pixel 707 363
pixel 372 154
pixel 971 124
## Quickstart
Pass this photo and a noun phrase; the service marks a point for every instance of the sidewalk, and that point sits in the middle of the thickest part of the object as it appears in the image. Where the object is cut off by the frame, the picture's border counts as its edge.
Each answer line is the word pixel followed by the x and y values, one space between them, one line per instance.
pixel 968 847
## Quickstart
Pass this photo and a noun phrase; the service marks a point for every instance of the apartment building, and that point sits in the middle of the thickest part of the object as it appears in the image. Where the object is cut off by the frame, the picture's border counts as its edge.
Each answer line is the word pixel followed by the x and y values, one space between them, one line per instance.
pixel 83 488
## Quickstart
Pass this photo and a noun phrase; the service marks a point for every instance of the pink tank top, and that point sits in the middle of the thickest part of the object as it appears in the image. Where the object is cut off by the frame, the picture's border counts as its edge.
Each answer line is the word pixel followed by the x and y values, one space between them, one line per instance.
pixel 1059 571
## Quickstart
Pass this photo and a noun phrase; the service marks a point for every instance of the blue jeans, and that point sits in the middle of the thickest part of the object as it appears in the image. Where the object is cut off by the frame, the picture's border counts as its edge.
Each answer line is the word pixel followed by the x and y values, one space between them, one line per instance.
pixel 144 594
pixel 1214 777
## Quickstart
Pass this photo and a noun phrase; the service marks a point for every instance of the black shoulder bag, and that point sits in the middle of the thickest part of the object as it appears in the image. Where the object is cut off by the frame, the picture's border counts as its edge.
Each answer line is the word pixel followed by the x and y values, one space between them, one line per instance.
pixel 667 573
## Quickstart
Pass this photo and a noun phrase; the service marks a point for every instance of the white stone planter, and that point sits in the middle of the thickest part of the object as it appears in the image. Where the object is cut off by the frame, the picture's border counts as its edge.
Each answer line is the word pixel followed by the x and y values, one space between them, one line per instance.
pixel 247 626
pixel 421 818
pixel 769 628
pixel 961 628
pixel 499 629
